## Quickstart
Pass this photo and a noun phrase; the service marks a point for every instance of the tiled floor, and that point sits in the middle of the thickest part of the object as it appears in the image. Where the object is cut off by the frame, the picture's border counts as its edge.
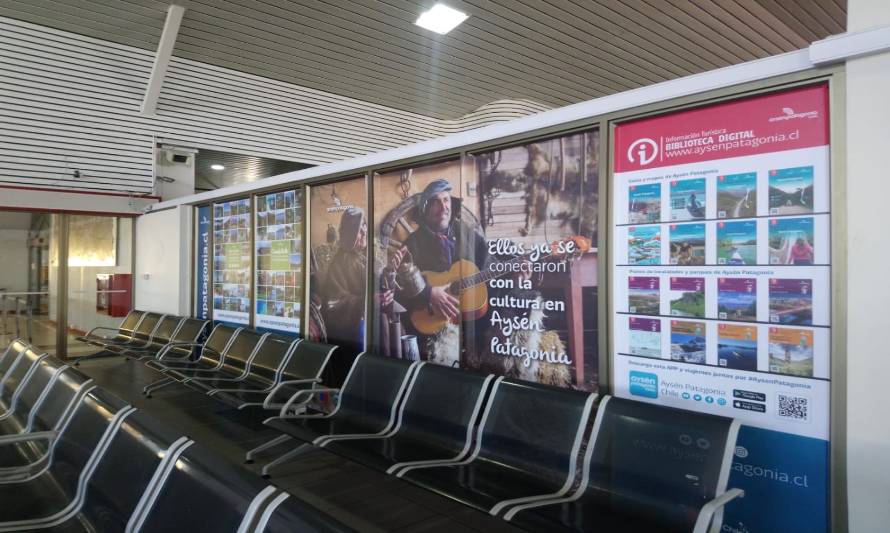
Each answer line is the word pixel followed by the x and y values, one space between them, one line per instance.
pixel 363 498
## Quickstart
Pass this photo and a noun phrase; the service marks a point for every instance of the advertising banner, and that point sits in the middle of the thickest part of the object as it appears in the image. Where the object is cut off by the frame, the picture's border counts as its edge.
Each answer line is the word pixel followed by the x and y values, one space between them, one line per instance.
pixel 202 262
pixel 338 271
pixel 279 261
pixel 490 263
pixel 231 262
pixel 722 287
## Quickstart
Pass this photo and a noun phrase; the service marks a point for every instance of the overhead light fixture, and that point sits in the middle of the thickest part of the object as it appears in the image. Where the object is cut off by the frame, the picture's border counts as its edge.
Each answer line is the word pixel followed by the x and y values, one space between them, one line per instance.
pixel 217 167
pixel 441 19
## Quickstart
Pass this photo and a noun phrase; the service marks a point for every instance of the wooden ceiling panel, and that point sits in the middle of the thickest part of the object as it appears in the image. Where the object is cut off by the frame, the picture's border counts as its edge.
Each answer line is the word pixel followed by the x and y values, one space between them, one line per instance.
pixel 553 52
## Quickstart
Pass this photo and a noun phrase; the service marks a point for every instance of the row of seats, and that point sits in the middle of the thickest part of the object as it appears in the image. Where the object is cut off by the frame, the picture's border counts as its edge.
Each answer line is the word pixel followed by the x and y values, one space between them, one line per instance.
pixel 237 366
pixel 74 458
pixel 511 448
pixel 507 447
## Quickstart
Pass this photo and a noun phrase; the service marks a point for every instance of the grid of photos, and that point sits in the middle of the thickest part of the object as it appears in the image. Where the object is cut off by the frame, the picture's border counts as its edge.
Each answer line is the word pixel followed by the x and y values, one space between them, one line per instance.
pixel 669 223
pixel 279 260
pixel 231 261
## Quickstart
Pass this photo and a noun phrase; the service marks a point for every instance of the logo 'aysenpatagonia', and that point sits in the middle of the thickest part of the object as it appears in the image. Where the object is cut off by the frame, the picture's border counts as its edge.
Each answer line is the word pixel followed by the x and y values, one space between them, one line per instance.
pixel 789 114
pixel 645 149
pixel 644 384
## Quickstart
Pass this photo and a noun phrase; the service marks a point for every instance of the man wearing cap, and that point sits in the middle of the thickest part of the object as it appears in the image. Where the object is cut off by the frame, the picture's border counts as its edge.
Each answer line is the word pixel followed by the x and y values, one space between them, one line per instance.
pixel 440 241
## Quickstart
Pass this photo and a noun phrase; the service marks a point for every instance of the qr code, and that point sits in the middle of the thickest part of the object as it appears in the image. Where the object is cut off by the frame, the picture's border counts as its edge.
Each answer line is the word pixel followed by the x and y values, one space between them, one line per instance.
pixel 793 407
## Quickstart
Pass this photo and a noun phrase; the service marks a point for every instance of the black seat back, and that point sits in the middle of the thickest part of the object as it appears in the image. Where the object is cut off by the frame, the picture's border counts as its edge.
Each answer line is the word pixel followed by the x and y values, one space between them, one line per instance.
pixel 35 388
pixel 537 428
pixel 12 352
pixel 373 386
pixel 124 473
pixel 18 375
pixel 189 332
pixel 308 362
pixel 129 323
pixel 165 330
pixel 215 346
pixel 273 353
pixel 58 402
pixel 287 514
pixel 424 416
pixel 145 328
pixel 202 494
pixel 83 435
pixel 241 351
pixel 660 462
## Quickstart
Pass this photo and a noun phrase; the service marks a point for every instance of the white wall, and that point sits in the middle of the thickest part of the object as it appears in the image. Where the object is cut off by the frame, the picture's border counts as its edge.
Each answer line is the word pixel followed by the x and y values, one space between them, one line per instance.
pixel 163 261
pixel 868 292
pixel 13 259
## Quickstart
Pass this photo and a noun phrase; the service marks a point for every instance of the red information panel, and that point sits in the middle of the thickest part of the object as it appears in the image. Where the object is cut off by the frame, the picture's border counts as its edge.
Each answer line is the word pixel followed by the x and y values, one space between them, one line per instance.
pixel 722 288
pixel 776 122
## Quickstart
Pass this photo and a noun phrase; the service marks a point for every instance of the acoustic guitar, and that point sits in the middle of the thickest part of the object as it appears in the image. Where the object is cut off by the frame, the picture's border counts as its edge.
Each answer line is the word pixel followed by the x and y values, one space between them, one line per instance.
pixel 468 283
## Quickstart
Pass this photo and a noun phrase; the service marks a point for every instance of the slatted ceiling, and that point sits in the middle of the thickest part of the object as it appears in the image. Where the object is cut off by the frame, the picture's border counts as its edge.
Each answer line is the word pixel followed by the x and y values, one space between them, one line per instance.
pixel 239 168
pixel 71 102
pixel 553 52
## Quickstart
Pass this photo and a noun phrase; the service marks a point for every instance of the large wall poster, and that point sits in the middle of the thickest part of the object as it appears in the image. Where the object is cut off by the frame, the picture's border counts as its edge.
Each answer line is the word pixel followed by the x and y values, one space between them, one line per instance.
pixel 722 284
pixel 490 263
pixel 279 260
pixel 338 263
pixel 231 261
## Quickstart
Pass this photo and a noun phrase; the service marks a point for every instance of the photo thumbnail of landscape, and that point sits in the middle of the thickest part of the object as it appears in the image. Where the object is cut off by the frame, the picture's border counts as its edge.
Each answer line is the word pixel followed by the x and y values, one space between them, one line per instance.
pixel 737 299
pixel 688 341
pixel 643 295
pixel 687 297
pixel 737 242
pixel 791 351
pixel 688 199
pixel 687 244
pixel 644 245
pixel 644 336
pixel 791 241
pixel 737 195
pixel 737 346
pixel 791 191
pixel 791 301
pixel 644 203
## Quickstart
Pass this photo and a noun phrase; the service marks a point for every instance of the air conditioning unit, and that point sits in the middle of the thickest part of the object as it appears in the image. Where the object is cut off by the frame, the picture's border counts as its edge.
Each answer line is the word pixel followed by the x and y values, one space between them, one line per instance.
pixel 177 155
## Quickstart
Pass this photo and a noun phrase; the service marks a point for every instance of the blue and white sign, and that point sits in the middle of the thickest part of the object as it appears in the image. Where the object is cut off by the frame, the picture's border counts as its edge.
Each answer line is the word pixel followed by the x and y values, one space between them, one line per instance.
pixel 202 263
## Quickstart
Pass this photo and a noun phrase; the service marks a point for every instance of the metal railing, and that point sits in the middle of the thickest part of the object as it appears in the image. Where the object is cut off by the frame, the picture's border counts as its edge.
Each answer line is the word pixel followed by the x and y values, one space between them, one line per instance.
pixel 23 301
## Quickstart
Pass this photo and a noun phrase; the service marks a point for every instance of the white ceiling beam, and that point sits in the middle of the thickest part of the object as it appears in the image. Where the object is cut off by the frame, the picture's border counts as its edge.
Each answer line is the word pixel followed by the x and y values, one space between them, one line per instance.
pixel 162 59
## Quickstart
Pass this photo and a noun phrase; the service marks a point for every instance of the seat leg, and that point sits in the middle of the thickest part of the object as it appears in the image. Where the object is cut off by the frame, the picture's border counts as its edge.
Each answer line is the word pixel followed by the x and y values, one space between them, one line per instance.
pixel 286 457
pixel 151 387
pixel 248 457
pixel 98 355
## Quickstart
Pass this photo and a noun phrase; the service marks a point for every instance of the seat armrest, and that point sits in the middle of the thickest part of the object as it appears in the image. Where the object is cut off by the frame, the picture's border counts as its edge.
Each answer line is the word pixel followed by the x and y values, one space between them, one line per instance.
pixel 706 515
pixel 308 393
pixel 90 332
pixel 26 437
pixel 269 402
pixel 162 353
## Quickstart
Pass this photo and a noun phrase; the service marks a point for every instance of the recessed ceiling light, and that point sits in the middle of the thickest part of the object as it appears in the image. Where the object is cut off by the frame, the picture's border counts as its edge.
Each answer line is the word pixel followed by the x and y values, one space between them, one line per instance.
pixel 217 167
pixel 441 19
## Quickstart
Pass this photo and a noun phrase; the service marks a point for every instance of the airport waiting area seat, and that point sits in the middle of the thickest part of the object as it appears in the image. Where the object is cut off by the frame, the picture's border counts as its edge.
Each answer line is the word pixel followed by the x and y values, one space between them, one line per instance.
pixel 123 333
pixel 521 451
pixel 646 468
pixel 367 406
pixel 111 468
pixel 187 334
pixel 280 369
